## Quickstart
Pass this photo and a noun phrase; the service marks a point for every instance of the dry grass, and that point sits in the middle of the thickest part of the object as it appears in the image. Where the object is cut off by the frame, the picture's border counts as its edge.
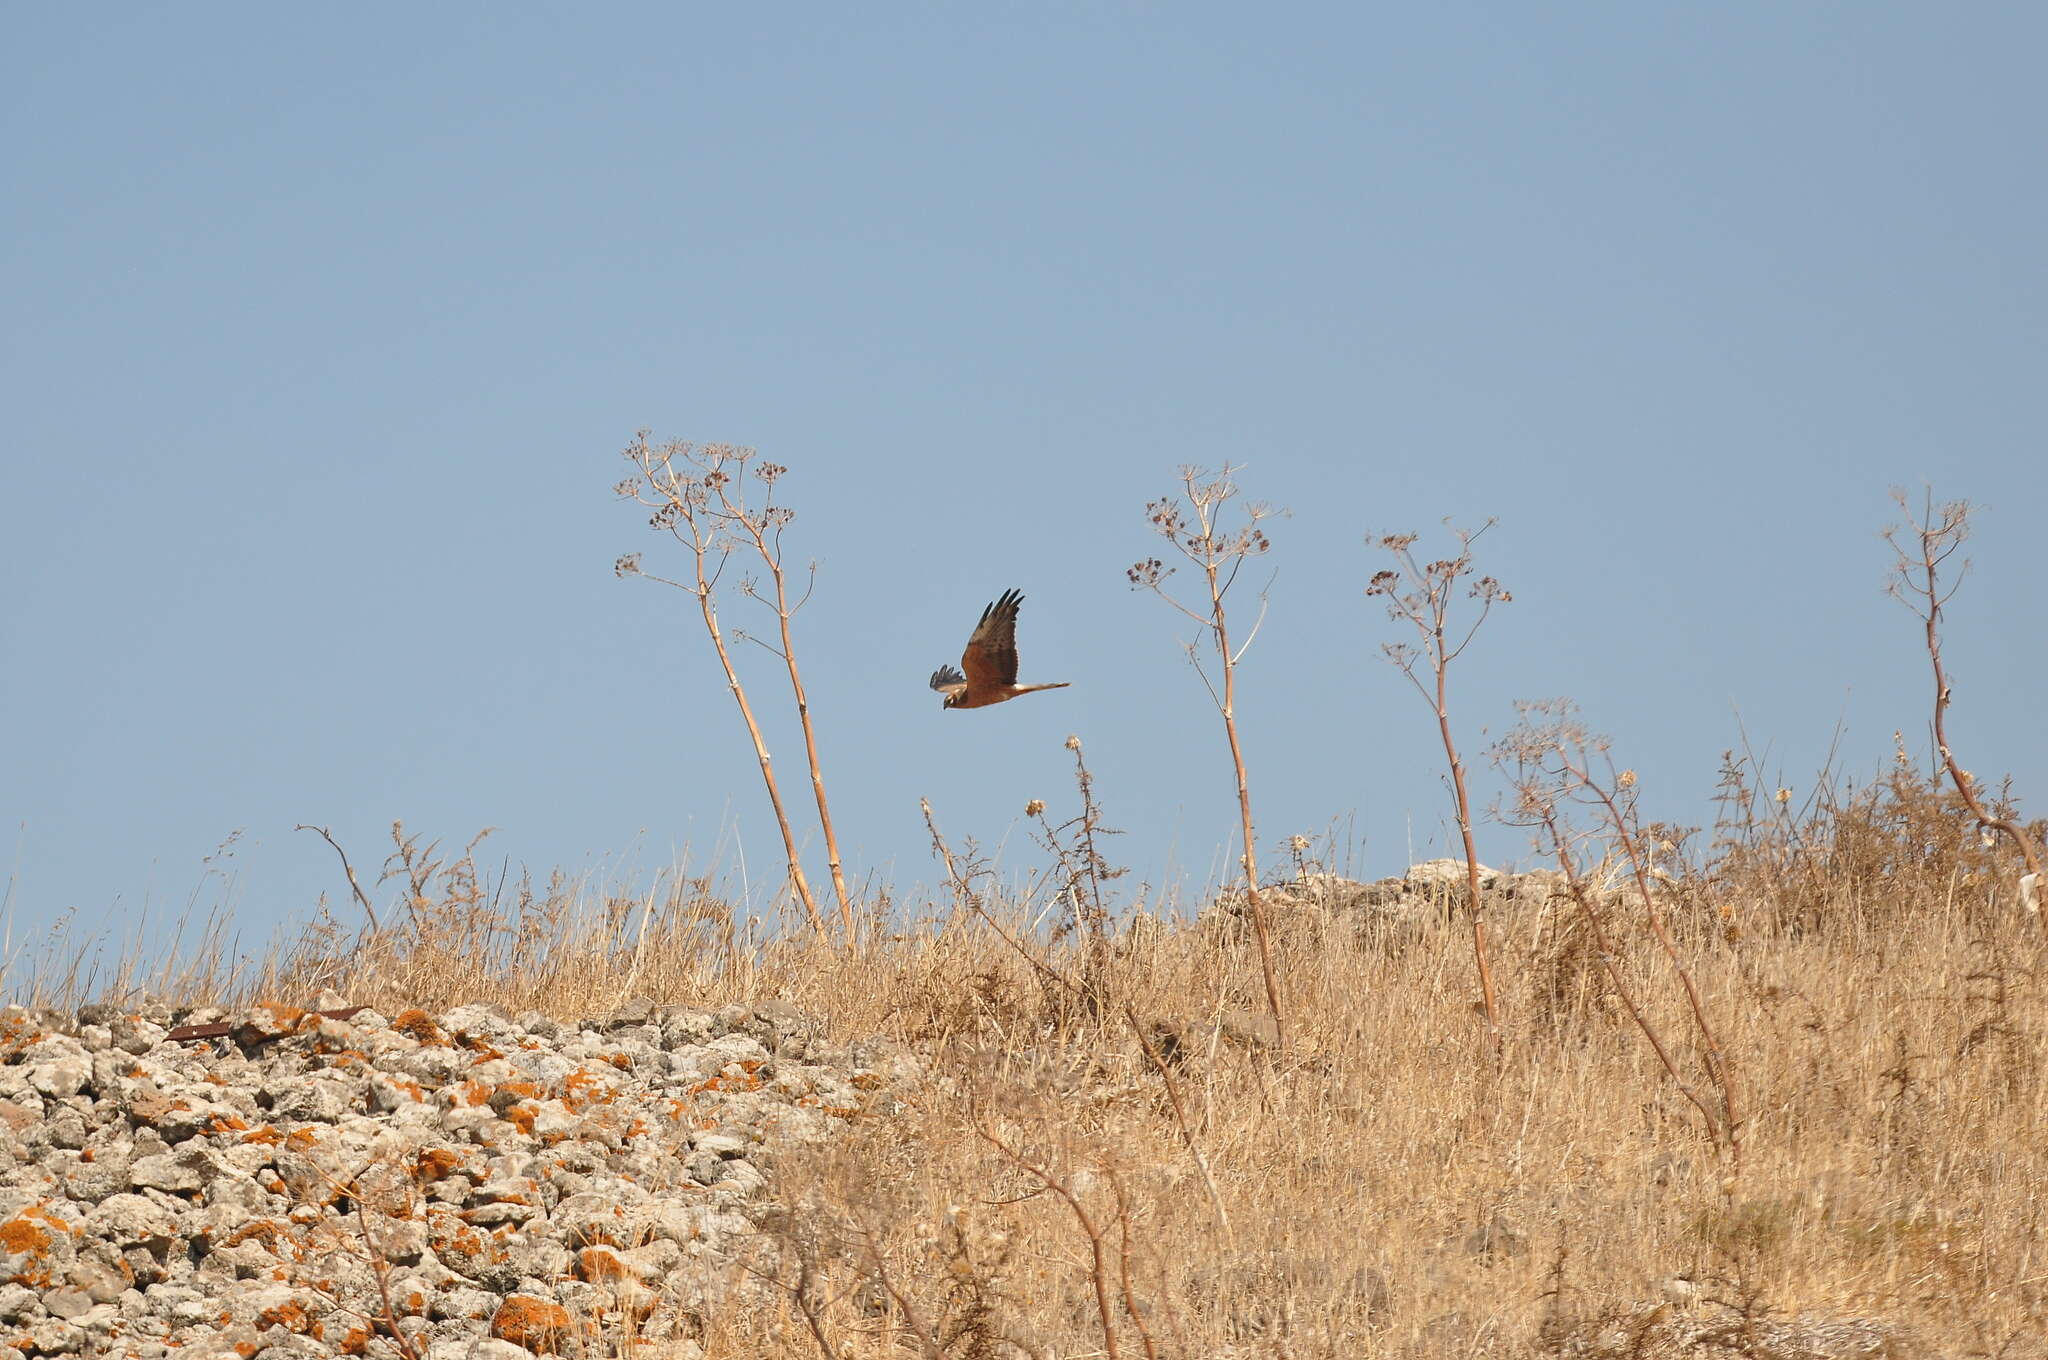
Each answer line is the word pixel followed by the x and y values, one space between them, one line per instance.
pixel 1377 1191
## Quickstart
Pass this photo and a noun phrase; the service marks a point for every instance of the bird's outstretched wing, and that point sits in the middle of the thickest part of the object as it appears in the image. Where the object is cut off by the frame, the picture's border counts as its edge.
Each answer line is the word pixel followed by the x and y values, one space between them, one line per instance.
pixel 991 656
pixel 945 678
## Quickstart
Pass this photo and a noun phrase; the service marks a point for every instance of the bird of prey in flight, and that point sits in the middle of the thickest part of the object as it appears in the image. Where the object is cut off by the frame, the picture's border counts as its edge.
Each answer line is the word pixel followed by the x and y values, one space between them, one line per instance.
pixel 990 661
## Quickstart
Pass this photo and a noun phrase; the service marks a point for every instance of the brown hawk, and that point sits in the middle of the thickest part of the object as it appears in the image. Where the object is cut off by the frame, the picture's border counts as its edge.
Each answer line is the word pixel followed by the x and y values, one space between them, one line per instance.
pixel 990 661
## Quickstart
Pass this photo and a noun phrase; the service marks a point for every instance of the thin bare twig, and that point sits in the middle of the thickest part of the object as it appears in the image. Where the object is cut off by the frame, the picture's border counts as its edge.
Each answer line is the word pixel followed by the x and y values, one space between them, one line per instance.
pixel 1551 755
pixel 1180 1116
pixel 1098 1266
pixel 347 869
pixel 965 898
pixel 1937 534
pixel 1123 1264
pixel 381 1269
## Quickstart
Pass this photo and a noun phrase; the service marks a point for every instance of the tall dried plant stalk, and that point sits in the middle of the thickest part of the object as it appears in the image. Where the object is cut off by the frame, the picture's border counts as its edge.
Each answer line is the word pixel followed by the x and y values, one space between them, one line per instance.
pixel 1551 761
pixel 1076 845
pixel 1196 532
pixel 1920 549
pixel 678 481
pixel 763 528
pixel 1421 596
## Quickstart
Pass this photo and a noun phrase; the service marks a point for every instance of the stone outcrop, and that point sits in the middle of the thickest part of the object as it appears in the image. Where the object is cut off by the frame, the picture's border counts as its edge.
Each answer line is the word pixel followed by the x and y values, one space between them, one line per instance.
pixel 260 1183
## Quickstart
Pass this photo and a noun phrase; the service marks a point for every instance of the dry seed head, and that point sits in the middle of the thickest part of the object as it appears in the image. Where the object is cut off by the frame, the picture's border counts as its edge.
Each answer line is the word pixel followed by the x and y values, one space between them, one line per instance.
pixel 629 565
pixel 1150 572
pixel 1488 588
pixel 1627 780
pixel 1166 517
pixel 1035 808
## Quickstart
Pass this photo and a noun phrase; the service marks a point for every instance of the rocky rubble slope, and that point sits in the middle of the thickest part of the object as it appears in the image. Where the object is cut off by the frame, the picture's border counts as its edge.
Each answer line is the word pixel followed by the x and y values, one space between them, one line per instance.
pixel 258 1184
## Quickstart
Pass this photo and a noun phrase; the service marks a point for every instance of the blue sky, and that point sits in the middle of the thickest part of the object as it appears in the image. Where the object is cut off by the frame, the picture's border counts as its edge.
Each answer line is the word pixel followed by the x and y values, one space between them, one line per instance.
pixel 323 329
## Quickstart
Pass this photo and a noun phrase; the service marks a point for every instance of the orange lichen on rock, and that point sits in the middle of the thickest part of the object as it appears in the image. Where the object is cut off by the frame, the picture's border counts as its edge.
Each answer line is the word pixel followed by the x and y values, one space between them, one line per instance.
pixel 434 1164
pixel 535 1323
pixel 290 1315
pixel 272 1017
pixel 267 1231
pixel 419 1025
pixel 17 1032
pixel 581 1089
pixel 267 1134
pixel 406 1084
pixel 599 1265
pixel 31 1243
pixel 747 1082
pixel 459 1245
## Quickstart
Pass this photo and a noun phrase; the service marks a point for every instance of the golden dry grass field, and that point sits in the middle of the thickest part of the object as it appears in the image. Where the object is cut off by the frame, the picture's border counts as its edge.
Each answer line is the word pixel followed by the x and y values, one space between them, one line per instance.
pixel 1133 1167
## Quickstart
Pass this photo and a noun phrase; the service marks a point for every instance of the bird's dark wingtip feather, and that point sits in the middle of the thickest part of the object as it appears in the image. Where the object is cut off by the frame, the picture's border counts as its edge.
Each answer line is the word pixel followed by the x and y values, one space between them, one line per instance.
pixel 1005 603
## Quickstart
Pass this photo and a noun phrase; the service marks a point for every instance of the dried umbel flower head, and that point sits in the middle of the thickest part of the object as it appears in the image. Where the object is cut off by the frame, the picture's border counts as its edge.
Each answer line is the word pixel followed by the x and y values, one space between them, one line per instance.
pixel 1035 808
pixel 1166 516
pixel 1149 572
